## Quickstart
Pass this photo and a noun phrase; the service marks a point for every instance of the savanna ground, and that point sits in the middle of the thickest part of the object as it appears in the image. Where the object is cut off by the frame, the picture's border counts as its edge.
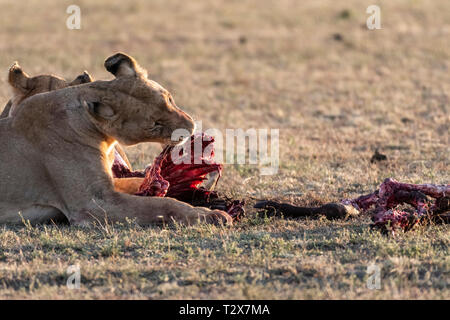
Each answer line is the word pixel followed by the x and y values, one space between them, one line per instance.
pixel 336 90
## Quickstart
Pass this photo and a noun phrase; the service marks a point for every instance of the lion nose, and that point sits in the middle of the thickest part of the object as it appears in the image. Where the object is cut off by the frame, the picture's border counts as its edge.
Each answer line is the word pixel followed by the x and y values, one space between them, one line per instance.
pixel 187 122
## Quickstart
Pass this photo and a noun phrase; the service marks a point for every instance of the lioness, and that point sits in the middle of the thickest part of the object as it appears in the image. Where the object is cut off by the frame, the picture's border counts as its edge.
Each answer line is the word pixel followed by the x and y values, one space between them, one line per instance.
pixel 23 86
pixel 53 151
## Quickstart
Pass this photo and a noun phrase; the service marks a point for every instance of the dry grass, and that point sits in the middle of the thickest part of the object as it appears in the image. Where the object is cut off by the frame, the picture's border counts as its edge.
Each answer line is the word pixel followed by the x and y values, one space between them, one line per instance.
pixel 255 64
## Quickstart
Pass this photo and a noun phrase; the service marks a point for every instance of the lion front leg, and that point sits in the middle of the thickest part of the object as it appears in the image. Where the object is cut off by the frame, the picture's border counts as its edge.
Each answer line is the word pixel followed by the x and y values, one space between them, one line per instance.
pixel 146 210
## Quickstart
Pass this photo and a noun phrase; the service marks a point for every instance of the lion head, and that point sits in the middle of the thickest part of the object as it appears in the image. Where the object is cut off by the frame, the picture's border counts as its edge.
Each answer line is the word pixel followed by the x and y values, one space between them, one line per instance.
pixel 23 86
pixel 132 108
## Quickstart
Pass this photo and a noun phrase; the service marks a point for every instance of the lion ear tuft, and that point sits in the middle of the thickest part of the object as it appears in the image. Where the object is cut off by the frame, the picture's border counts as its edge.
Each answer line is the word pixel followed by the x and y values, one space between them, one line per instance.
pixel 87 76
pixel 82 78
pixel 122 65
pixel 17 78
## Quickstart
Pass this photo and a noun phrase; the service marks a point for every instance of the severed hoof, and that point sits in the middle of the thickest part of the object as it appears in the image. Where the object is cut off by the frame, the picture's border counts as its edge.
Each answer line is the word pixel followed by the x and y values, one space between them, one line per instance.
pixel 329 210
pixel 218 217
pixel 336 211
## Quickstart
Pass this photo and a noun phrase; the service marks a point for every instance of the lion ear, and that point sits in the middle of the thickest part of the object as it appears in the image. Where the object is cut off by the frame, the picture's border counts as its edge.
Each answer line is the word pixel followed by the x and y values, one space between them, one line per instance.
pixel 82 78
pixel 17 78
pixel 122 65
pixel 99 110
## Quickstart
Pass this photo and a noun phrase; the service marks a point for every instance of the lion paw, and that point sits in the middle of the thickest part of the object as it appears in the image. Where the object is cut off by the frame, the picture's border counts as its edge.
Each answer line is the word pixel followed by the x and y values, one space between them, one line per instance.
pixel 211 216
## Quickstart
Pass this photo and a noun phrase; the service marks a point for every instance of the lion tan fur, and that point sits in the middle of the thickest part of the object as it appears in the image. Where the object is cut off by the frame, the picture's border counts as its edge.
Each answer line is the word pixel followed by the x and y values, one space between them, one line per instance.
pixel 23 86
pixel 54 151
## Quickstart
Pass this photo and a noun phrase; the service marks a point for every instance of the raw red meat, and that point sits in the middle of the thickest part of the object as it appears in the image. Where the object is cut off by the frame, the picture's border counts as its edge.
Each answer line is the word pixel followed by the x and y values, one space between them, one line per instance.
pixel 386 216
pixel 121 170
pixel 392 193
pixel 183 180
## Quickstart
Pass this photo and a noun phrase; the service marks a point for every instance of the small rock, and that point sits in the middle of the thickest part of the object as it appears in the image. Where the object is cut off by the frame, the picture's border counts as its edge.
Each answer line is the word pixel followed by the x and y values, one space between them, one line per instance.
pixel 377 156
pixel 338 37
pixel 406 120
pixel 345 14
